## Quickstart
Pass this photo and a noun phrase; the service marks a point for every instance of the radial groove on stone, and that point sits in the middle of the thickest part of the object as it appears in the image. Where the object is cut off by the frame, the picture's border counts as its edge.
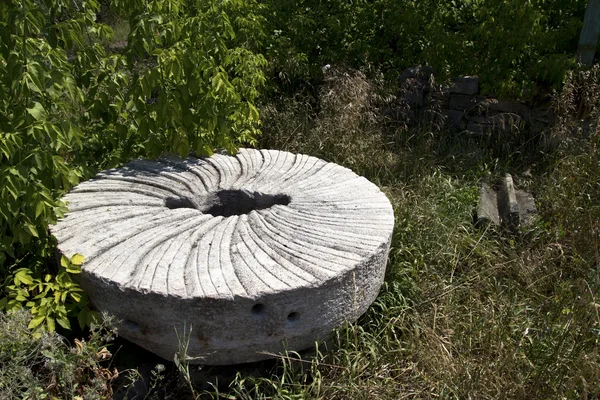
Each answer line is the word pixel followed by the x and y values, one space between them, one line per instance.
pixel 260 252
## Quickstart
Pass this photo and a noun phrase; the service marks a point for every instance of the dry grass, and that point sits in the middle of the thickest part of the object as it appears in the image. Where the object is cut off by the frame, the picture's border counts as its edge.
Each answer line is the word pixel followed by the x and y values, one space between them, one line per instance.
pixel 465 312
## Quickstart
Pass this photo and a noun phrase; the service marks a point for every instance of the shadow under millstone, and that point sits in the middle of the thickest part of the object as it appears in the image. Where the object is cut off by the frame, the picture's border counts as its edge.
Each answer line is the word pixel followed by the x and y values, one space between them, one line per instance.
pixel 144 375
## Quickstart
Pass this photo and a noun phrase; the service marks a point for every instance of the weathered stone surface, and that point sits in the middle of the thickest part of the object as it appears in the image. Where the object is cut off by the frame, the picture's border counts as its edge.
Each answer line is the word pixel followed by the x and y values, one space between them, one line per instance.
pixel 465 85
pixel 263 251
pixel 505 106
pixel 508 207
pixel 465 102
pixel 527 208
pixel 487 209
pixel 456 119
pixel 505 206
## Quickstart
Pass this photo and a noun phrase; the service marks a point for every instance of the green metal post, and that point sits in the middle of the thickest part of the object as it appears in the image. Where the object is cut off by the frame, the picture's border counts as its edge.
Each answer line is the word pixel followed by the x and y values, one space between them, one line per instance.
pixel 589 33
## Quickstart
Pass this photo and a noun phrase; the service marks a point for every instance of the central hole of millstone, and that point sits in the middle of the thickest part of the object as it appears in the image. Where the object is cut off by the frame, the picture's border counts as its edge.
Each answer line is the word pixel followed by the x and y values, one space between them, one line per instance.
pixel 226 203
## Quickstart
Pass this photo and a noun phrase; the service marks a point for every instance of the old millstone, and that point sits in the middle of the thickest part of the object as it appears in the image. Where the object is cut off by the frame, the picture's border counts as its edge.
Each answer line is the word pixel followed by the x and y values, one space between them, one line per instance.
pixel 260 252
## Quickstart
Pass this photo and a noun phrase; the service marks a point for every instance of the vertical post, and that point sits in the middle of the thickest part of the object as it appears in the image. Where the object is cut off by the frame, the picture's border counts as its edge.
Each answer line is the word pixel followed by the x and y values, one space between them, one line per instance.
pixel 589 33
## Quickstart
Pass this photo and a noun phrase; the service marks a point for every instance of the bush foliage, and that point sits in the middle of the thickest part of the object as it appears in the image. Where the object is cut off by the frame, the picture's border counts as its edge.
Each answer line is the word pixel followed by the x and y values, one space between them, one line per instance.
pixel 511 45
pixel 186 82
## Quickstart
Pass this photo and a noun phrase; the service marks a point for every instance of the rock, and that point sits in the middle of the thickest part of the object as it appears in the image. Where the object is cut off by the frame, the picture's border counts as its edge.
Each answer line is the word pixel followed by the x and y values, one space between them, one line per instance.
pixel 465 102
pixel 259 252
pixel 415 98
pixel 465 85
pixel 506 206
pixel 511 107
pixel 456 119
pixel 487 210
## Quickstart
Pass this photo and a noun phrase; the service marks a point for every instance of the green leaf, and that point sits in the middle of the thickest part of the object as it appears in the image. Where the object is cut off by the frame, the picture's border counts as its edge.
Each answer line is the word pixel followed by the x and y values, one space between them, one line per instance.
pixel 39 208
pixel 82 317
pixel 64 261
pixel 74 269
pixel 36 321
pixel 77 259
pixel 76 296
pixel 31 229
pixel 50 324
pixel 24 277
pixel 64 322
pixel 38 112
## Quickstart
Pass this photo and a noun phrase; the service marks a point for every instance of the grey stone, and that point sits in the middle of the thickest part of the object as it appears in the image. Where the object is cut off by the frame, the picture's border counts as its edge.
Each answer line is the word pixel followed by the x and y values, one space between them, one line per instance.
pixel 258 253
pixel 456 119
pixel 527 208
pixel 508 207
pixel 465 85
pixel 505 106
pixel 505 206
pixel 465 102
pixel 415 98
pixel 487 209
pixel 475 127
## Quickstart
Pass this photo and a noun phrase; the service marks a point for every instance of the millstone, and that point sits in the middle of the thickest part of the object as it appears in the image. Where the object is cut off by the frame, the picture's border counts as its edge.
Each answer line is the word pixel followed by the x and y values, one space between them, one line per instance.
pixel 258 253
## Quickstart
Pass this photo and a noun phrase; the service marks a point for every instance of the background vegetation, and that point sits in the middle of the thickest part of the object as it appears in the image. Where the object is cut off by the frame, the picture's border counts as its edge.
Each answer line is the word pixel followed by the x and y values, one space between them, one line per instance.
pixel 465 312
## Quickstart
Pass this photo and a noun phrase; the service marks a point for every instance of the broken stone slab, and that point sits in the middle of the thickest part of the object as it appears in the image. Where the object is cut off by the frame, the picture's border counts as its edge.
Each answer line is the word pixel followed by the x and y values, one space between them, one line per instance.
pixel 257 253
pixel 505 206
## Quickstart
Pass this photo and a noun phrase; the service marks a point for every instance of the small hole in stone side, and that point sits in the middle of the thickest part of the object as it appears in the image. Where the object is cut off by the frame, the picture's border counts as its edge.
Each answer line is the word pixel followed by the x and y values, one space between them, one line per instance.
pixel 131 325
pixel 258 309
pixel 293 316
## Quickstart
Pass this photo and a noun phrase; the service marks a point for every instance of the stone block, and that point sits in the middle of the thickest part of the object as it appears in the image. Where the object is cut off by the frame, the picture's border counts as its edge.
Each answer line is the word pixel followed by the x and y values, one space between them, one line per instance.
pixel 465 85
pixel 257 253
pixel 487 209
pixel 508 207
pixel 505 206
pixel 505 106
pixel 465 102
pixel 456 119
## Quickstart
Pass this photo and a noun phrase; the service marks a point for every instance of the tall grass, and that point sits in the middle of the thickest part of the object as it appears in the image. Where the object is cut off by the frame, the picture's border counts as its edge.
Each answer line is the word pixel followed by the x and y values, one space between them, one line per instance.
pixel 465 312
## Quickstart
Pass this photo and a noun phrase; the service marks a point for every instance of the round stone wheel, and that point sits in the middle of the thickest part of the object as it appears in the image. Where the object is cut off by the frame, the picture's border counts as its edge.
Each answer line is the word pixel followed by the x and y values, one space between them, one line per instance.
pixel 258 253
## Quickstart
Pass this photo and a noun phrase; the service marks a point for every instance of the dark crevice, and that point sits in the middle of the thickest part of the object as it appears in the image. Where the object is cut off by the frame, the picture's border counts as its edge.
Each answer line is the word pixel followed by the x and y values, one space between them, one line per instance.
pixel 226 203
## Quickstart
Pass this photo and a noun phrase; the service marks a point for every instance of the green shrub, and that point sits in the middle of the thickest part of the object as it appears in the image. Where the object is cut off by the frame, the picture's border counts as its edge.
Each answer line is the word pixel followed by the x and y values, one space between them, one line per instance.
pixel 45 367
pixel 186 82
pixel 511 44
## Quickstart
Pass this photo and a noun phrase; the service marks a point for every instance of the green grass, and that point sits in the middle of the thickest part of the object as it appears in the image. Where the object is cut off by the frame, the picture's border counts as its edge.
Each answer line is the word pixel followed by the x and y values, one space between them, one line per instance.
pixel 465 312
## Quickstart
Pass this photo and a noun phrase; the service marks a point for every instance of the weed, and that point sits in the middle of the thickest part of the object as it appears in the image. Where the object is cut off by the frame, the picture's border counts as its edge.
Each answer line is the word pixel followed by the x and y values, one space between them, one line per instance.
pixel 47 366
